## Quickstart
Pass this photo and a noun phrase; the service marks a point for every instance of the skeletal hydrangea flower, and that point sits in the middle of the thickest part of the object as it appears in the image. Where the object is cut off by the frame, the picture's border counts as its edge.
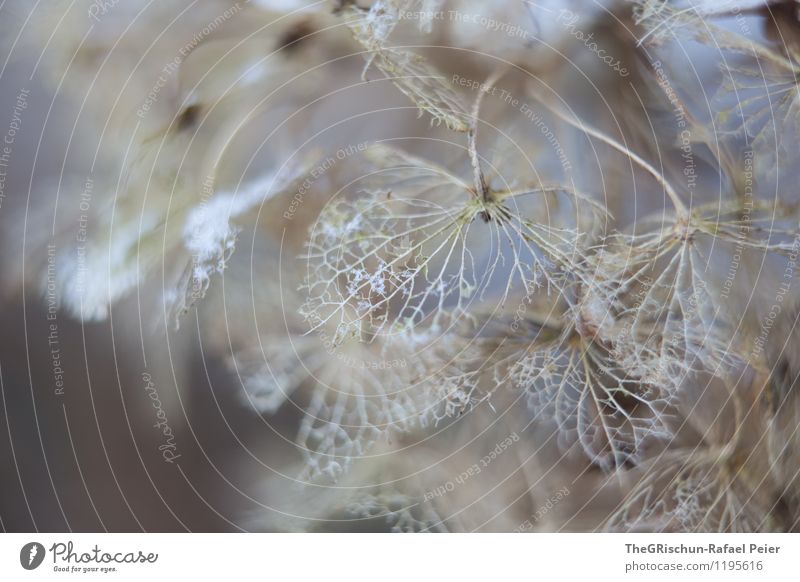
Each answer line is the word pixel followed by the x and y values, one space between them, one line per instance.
pixel 377 264
pixel 444 287
pixel 355 395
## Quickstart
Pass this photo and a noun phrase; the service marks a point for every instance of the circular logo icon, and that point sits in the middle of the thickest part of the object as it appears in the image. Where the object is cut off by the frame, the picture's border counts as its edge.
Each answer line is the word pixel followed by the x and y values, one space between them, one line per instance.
pixel 31 555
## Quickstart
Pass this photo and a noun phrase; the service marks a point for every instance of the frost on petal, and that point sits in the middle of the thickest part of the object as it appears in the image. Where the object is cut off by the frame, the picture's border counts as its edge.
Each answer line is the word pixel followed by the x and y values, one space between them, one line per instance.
pixel 210 231
pixel 91 281
pixel 167 140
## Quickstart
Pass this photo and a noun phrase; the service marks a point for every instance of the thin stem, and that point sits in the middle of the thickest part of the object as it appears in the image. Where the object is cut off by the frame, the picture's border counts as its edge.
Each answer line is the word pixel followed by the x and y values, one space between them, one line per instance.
pixel 481 188
pixel 680 207
pixel 479 180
